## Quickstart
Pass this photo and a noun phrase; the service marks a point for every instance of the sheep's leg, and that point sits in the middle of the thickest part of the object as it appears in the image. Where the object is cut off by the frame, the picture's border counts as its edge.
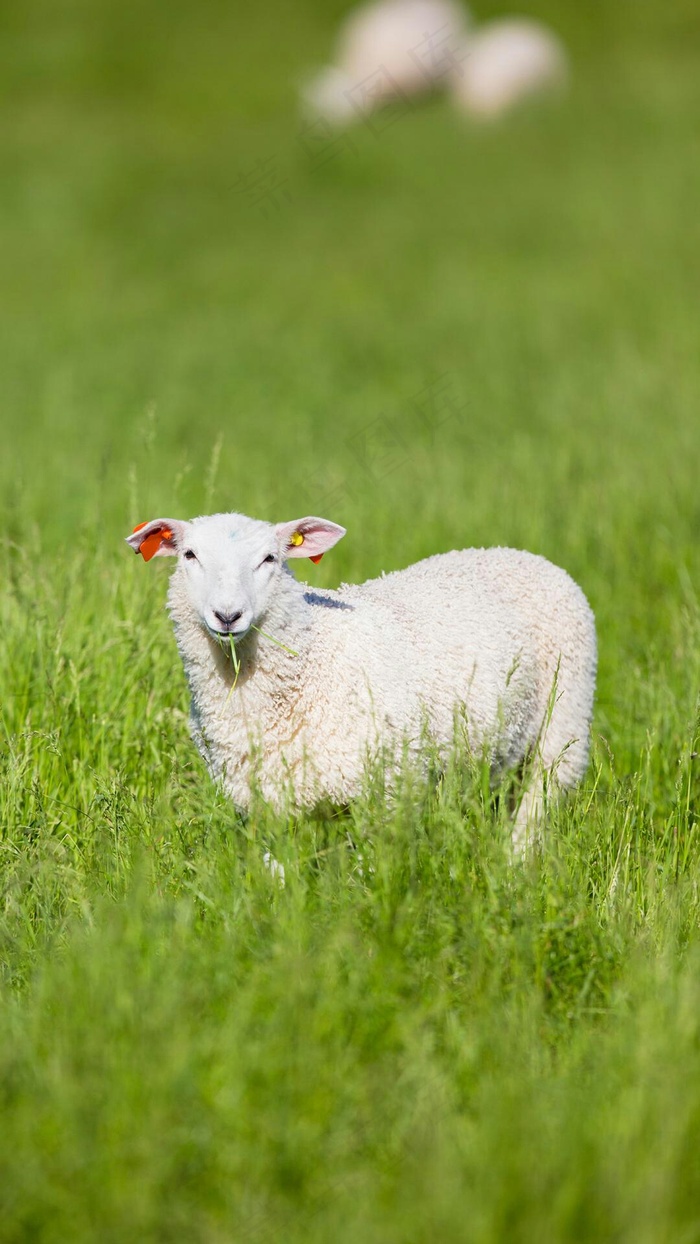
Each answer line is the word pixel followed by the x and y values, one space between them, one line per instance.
pixel 275 869
pixel 529 815
pixel 557 763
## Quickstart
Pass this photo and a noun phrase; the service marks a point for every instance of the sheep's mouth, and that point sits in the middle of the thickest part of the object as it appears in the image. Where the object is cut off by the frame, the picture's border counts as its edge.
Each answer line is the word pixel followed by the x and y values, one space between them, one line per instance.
pixel 224 637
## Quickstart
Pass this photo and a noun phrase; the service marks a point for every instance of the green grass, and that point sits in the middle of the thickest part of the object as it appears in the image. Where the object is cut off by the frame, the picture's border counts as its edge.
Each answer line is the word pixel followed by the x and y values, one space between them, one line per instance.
pixel 418 1039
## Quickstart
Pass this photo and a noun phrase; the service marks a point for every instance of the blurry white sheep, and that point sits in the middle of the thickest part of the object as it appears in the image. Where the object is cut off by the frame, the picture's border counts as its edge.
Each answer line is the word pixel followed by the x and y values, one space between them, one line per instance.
pixel 504 63
pixel 388 50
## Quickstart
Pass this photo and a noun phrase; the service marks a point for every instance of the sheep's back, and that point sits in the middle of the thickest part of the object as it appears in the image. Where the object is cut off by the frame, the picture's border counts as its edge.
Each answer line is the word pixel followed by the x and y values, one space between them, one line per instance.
pixel 483 628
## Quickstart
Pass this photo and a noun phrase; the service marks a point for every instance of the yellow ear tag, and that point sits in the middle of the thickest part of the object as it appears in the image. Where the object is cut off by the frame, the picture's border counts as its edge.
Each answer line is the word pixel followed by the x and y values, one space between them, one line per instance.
pixel 296 538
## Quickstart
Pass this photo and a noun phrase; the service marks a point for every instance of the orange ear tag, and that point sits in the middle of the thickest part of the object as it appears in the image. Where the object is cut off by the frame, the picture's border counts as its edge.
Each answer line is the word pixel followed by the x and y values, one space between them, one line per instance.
pixel 317 558
pixel 149 547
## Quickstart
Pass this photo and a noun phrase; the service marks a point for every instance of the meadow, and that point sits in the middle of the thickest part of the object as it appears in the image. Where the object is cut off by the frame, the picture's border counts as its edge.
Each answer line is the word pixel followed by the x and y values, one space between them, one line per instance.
pixel 438 335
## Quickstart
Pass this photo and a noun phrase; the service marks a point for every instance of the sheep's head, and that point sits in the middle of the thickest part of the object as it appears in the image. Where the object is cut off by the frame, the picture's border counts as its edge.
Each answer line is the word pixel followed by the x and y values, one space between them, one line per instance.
pixel 228 564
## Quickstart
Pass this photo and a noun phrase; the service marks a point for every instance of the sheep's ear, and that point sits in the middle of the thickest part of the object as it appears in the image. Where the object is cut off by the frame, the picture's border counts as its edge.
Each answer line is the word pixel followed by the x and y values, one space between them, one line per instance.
pixel 308 537
pixel 159 538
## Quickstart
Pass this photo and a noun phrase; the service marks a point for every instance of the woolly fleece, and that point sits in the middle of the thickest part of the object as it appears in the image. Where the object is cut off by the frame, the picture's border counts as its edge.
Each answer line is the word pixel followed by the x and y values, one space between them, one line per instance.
pixel 501 635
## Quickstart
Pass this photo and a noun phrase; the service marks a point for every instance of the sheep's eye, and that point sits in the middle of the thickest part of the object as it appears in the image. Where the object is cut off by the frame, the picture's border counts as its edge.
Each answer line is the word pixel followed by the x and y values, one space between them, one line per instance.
pixel 270 557
pixel 190 555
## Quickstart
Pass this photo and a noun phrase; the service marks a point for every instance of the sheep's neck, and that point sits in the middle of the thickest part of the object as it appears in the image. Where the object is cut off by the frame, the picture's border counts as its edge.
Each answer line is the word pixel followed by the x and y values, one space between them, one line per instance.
pixel 265 666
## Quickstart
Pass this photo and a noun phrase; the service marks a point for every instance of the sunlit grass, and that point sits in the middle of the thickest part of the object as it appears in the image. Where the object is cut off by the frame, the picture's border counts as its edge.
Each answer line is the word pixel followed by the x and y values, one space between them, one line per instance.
pixel 447 337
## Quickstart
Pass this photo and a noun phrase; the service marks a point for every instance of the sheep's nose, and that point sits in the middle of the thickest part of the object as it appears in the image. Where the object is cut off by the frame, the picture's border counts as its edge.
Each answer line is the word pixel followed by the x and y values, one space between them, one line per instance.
pixel 227 619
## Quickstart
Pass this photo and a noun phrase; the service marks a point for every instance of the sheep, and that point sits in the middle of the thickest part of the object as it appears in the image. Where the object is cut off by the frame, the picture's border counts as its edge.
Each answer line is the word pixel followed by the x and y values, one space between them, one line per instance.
pixel 387 50
pixel 506 62
pixel 294 689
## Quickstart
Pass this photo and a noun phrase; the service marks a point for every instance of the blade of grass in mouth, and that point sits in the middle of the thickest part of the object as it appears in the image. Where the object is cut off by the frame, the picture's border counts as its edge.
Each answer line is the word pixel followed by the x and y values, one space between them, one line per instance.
pixel 275 641
pixel 237 667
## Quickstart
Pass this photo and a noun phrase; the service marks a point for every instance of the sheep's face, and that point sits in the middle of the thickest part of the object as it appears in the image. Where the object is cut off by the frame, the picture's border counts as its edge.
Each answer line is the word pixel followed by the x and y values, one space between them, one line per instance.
pixel 229 565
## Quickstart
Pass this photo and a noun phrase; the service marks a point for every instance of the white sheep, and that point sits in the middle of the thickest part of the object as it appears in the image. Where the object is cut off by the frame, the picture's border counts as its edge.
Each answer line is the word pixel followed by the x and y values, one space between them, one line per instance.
pixel 387 50
pixel 294 689
pixel 504 63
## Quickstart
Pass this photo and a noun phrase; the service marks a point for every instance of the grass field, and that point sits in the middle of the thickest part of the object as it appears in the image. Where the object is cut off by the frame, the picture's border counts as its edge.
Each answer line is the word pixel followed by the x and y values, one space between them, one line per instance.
pixel 438 336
